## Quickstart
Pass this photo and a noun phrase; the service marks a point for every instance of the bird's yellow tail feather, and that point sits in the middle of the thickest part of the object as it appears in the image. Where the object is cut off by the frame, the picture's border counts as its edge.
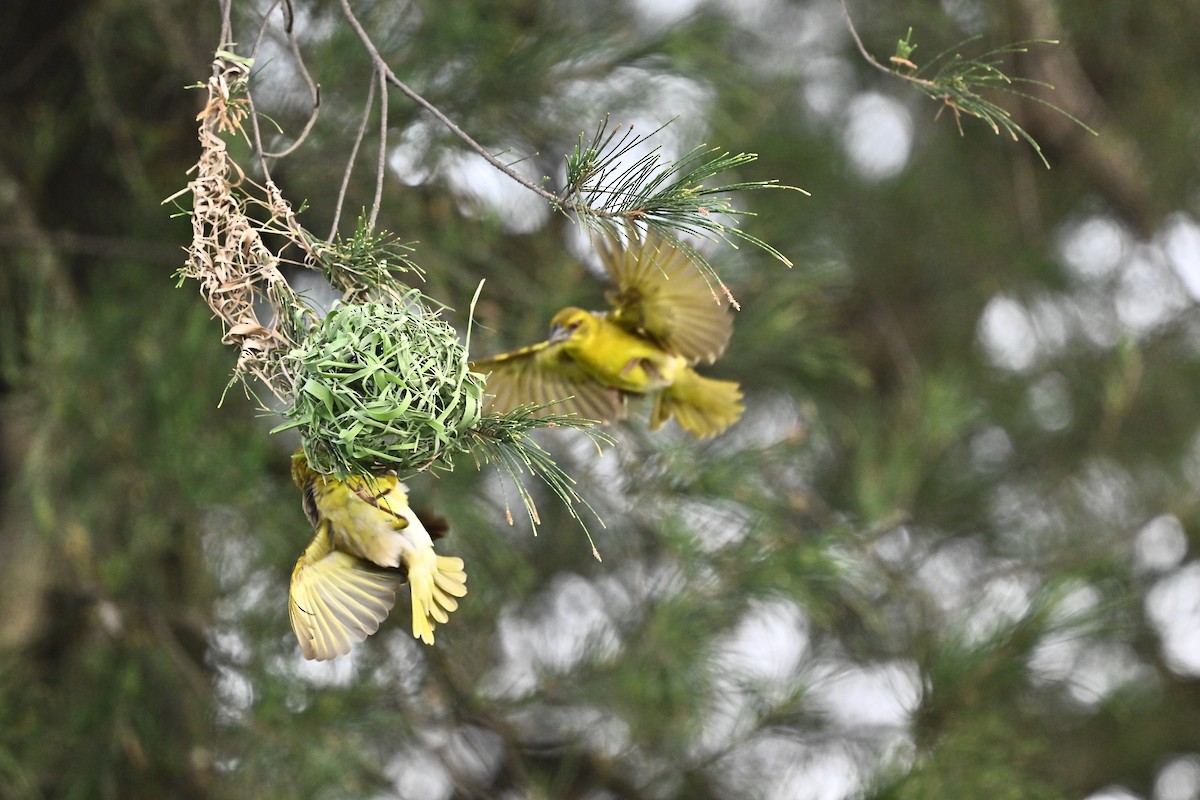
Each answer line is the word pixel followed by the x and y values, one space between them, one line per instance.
pixel 702 406
pixel 436 582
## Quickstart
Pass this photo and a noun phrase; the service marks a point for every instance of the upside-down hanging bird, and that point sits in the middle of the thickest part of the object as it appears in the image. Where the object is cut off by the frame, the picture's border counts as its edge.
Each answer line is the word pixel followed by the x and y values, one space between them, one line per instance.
pixel 665 317
pixel 367 542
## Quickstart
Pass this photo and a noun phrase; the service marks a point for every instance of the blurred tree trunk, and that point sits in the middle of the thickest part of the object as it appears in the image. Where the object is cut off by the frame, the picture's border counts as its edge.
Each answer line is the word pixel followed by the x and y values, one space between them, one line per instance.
pixel 104 690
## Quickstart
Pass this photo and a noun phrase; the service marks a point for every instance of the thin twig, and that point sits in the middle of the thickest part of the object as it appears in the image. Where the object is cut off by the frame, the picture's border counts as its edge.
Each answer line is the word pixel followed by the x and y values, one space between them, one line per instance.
pixel 380 166
pixel 870 59
pixel 408 92
pixel 226 21
pixel 358 139
pixel 255 132
pixel 314 89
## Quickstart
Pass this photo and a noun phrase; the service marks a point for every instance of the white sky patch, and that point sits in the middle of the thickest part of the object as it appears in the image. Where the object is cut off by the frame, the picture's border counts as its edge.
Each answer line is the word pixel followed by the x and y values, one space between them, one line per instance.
pixel 1096 320
pixel 404 669
pixel 1160 545
pixel 1079 602
pixel 1007 334
pixel 339 671
pixel 804 41
pixel 1089 669
pixel 1050 402
pixel 715 524
pixel 1000 603
pixel 766 647
pixel 483 188
pixel 472 752
pixel 228 555
pixel 418 772
pixel 775 766
pixel 1102 669
pixel 489 192
pixel 660 98
pixel 1173 607
pixel 409 157
pixel 757 664
pixel 991 448
pixel 1181 244
pixel 1147 293
pixel 878 137
pixel 895 547
pixel 1113 793
pixel 593 728
pixel 776 419
pixel 234 694
pixel 949 575
pixel 1055 656
pixel 800 771
pixel 1178 779
pixel 876 695
pixel 968 14
pixel 663 13
pixel 635 582
pixel 1105 489
pixel 828 85
pixel 565 623
pixel 576 623
pixel 1051 317
pixel 750 14
pixel 1094 247
pixel 602 731
pixel 315 290
pixel 1023 517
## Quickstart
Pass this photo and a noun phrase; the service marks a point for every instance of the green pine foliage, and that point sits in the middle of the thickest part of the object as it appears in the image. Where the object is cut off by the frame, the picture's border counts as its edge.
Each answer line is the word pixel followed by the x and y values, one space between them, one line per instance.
pixel 935 559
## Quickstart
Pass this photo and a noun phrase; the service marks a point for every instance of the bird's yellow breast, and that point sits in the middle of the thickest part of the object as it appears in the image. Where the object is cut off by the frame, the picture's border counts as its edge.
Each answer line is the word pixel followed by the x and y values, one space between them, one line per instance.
pixel 622 360
pixel 365 516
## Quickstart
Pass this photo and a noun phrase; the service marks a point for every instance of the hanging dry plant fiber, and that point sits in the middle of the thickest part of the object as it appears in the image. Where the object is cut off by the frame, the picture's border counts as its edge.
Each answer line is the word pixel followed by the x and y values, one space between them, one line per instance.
pixel 228 257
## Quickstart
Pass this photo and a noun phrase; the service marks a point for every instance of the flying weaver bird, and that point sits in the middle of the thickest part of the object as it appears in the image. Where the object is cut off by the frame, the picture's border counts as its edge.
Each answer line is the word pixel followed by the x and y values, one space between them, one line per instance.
pixel 367 543
pixel 664 319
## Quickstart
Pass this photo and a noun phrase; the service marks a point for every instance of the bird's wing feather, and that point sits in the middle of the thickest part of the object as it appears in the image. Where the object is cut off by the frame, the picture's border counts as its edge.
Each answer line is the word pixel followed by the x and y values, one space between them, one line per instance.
pixel 661 295
pixel 544 373
pixel 337 599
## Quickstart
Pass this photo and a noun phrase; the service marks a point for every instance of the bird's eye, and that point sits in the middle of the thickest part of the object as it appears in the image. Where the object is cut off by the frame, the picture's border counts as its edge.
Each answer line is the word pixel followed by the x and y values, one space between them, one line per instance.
pixel 574 324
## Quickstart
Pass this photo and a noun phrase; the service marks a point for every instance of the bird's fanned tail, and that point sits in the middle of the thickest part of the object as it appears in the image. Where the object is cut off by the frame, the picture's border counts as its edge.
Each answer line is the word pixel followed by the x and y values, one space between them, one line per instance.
pixel 436 582
pixel 702 406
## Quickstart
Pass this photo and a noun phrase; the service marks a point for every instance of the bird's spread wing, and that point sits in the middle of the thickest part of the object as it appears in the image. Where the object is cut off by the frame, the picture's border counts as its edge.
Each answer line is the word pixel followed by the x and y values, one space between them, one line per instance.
pixel 661 295
pixel 336 599
pixel 543 373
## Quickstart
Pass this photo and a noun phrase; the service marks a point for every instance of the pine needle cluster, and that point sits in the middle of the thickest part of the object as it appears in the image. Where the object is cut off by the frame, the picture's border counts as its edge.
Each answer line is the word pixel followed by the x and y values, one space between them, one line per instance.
pixel 958 82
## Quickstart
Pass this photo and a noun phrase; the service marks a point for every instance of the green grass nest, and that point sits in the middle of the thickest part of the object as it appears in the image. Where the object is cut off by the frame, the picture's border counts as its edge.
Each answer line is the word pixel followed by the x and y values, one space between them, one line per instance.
pixel 382 386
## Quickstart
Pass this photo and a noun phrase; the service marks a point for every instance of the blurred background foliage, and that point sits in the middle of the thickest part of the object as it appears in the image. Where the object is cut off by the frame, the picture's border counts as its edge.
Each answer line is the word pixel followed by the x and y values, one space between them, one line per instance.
pixel 947 553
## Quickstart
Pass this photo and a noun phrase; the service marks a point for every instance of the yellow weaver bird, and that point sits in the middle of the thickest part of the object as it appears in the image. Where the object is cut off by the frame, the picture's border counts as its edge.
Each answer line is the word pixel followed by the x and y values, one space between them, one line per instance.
pixel 367 543
pixel 664 319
